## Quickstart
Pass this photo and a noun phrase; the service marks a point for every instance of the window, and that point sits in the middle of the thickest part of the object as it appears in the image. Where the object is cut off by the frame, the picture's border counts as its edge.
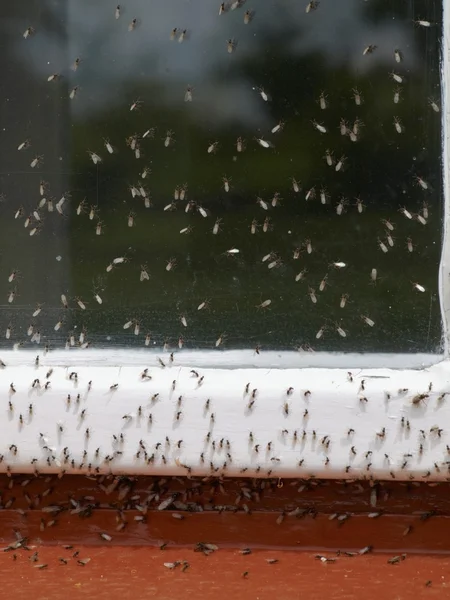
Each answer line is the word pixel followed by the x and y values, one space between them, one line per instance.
pixel 256 188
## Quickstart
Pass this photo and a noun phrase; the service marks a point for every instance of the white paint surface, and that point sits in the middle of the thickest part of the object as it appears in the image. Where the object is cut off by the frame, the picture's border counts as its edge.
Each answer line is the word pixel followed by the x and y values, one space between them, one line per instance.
pixel 334 406
pixel 444 271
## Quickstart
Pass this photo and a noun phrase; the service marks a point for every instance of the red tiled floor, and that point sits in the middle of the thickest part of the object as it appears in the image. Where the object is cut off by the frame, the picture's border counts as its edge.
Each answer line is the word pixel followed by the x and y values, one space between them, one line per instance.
pixel 131 567
pixel 124 573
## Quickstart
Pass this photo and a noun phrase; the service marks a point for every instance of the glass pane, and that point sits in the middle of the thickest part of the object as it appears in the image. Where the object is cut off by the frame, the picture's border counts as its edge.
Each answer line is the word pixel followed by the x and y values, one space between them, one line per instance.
pixel 265 177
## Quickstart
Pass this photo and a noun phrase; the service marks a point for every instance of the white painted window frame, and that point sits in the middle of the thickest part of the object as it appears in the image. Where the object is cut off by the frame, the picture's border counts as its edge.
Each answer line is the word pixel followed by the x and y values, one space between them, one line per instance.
pixel 352 403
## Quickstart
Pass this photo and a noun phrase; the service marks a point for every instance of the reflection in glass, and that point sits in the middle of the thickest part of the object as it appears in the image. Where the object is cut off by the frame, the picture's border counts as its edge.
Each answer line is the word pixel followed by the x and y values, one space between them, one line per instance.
pixel 268 177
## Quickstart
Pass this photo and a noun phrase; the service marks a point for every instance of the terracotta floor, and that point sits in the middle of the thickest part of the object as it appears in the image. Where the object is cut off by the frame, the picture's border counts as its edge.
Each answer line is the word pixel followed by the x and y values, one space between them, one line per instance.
pixel 130 573
pixel 289 521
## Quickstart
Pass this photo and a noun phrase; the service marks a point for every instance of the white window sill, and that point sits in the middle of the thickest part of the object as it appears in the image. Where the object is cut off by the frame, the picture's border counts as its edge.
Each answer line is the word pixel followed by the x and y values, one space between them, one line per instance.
pixel 334 406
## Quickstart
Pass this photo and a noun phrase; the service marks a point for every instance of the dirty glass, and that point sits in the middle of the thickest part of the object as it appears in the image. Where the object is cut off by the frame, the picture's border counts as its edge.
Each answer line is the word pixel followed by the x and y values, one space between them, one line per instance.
pixel 258 175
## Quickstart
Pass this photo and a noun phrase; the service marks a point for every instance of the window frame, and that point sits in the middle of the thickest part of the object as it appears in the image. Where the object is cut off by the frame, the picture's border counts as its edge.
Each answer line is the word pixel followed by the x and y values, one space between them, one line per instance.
pixel 372 390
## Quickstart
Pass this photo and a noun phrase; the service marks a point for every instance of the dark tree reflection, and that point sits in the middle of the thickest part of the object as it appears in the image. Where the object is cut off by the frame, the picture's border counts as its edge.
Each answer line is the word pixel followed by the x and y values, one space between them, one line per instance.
pixel 295 57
